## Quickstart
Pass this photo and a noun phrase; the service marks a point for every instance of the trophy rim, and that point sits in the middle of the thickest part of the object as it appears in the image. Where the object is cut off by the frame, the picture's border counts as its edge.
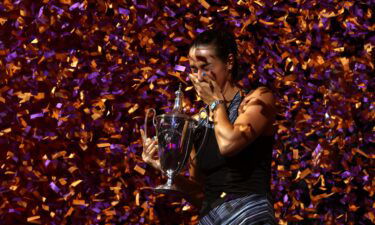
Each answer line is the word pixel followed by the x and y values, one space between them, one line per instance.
pixel 177 115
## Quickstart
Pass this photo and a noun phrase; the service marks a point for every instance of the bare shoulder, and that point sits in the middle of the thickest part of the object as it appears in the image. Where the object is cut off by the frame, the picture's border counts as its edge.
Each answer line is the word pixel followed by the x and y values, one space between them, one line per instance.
pixel 261 99
pixel 263 94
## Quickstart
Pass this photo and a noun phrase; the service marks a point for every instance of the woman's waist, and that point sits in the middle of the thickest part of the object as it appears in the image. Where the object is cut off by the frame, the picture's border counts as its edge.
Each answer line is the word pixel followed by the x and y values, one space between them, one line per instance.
pixel 213 192
pixel 226 179
pixel 211 202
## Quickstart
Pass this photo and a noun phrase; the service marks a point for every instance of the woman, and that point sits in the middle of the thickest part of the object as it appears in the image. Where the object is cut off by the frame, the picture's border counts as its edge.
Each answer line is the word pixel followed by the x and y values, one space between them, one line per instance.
pixel 230 176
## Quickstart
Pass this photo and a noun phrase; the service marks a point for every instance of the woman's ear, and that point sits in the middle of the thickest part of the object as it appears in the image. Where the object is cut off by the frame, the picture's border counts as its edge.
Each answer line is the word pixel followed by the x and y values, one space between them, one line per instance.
pixel 230 61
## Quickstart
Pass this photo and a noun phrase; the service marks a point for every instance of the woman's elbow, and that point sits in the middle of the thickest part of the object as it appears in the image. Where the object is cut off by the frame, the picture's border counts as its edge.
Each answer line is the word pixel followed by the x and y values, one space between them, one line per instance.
pixel 229 149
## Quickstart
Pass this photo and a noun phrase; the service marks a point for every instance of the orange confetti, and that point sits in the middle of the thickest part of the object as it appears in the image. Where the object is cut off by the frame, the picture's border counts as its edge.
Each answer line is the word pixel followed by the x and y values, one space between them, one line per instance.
pixel 39 96
pixel 110 212
pixel 303 174
pixel 70 211
pixel 295 154
pixel 204 4
pixel 137 199
pixel 266 22
pixel 79 202
pixel 72 169
pixel 66 2
pixel 103 145
pixel 59 154
pixel 45 207
pixel 62 181
pixel 140 170
pixel 33 219
pixel 133 109
pixel 204 19
pixel 75 183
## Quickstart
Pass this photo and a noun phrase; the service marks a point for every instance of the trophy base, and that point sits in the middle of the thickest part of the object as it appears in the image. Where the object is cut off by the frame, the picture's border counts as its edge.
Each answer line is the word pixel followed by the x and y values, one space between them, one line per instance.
pixel 167 189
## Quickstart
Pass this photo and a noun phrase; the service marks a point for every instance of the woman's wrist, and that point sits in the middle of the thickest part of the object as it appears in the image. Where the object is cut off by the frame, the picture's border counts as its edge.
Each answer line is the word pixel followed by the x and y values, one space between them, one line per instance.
pixel 215 104
pixel 154 165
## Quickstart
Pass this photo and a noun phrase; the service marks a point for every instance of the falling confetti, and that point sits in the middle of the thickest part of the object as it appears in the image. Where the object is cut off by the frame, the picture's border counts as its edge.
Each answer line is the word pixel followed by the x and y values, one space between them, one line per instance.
pixel 77 77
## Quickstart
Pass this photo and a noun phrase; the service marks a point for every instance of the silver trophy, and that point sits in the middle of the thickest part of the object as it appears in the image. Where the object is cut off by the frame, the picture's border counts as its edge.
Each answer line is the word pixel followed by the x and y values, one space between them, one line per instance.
pixel 175 132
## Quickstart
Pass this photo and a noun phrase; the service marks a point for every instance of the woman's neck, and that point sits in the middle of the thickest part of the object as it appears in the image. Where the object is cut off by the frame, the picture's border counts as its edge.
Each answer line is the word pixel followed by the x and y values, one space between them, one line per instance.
pixel 229 91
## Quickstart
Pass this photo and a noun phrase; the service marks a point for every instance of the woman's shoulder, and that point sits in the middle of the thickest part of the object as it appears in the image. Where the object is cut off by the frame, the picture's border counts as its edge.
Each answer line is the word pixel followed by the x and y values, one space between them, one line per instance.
pixel 261 96
pixel 261 93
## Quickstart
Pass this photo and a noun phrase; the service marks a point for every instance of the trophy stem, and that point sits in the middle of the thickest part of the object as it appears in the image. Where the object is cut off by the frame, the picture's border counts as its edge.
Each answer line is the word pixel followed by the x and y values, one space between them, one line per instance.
pixel 169 182
pixel 168 187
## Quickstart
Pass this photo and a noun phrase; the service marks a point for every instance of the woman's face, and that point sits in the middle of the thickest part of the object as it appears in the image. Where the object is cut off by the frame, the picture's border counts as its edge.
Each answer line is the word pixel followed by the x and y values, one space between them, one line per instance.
pixel 203 60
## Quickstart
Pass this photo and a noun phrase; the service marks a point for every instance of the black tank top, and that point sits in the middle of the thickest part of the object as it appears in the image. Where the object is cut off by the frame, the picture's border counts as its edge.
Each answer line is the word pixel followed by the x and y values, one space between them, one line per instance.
pixel 247 172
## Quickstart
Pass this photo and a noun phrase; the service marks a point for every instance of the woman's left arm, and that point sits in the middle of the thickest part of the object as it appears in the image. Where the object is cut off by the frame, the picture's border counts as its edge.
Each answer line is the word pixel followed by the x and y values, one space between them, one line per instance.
pixel 256 117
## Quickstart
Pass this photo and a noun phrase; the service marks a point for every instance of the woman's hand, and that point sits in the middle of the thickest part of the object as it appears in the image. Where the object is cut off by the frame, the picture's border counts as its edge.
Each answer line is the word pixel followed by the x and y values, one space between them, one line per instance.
pixel 245 103
pixel 208 90
pixel 150 153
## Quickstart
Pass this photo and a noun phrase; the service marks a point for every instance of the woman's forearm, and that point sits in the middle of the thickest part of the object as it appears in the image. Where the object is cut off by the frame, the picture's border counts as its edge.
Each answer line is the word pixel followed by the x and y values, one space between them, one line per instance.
pixel 223 129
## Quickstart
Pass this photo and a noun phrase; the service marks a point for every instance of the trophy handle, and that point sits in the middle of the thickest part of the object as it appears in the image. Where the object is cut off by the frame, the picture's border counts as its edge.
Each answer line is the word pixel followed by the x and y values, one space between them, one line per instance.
pixel 205 132
pixel 187 153
pixel 146 119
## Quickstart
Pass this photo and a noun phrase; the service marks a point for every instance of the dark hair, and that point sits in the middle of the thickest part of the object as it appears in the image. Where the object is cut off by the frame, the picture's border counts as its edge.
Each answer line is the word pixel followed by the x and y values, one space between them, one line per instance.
pixel 225 44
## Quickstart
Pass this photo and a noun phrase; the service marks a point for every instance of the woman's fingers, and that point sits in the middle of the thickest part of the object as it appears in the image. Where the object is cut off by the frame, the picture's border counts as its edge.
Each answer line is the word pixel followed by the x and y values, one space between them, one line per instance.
pixel 192 79
pixel 153 151
pixel 150 147
pixel 149 153
pixel 244 104
pixel 143 135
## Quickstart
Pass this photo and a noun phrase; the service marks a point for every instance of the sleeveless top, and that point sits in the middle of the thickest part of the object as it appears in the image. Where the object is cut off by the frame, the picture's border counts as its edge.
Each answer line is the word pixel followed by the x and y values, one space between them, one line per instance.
pixel 227 178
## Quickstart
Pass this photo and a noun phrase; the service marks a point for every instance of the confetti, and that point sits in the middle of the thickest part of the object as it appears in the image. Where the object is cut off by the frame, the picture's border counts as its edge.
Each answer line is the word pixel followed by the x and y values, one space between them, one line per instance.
pixel 77 78
pixel 34 219
pixel 139 170
pixel 75 183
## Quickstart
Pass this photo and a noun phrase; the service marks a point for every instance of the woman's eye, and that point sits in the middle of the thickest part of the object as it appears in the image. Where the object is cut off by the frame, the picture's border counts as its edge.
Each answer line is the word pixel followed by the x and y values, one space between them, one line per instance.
pixel 205 68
